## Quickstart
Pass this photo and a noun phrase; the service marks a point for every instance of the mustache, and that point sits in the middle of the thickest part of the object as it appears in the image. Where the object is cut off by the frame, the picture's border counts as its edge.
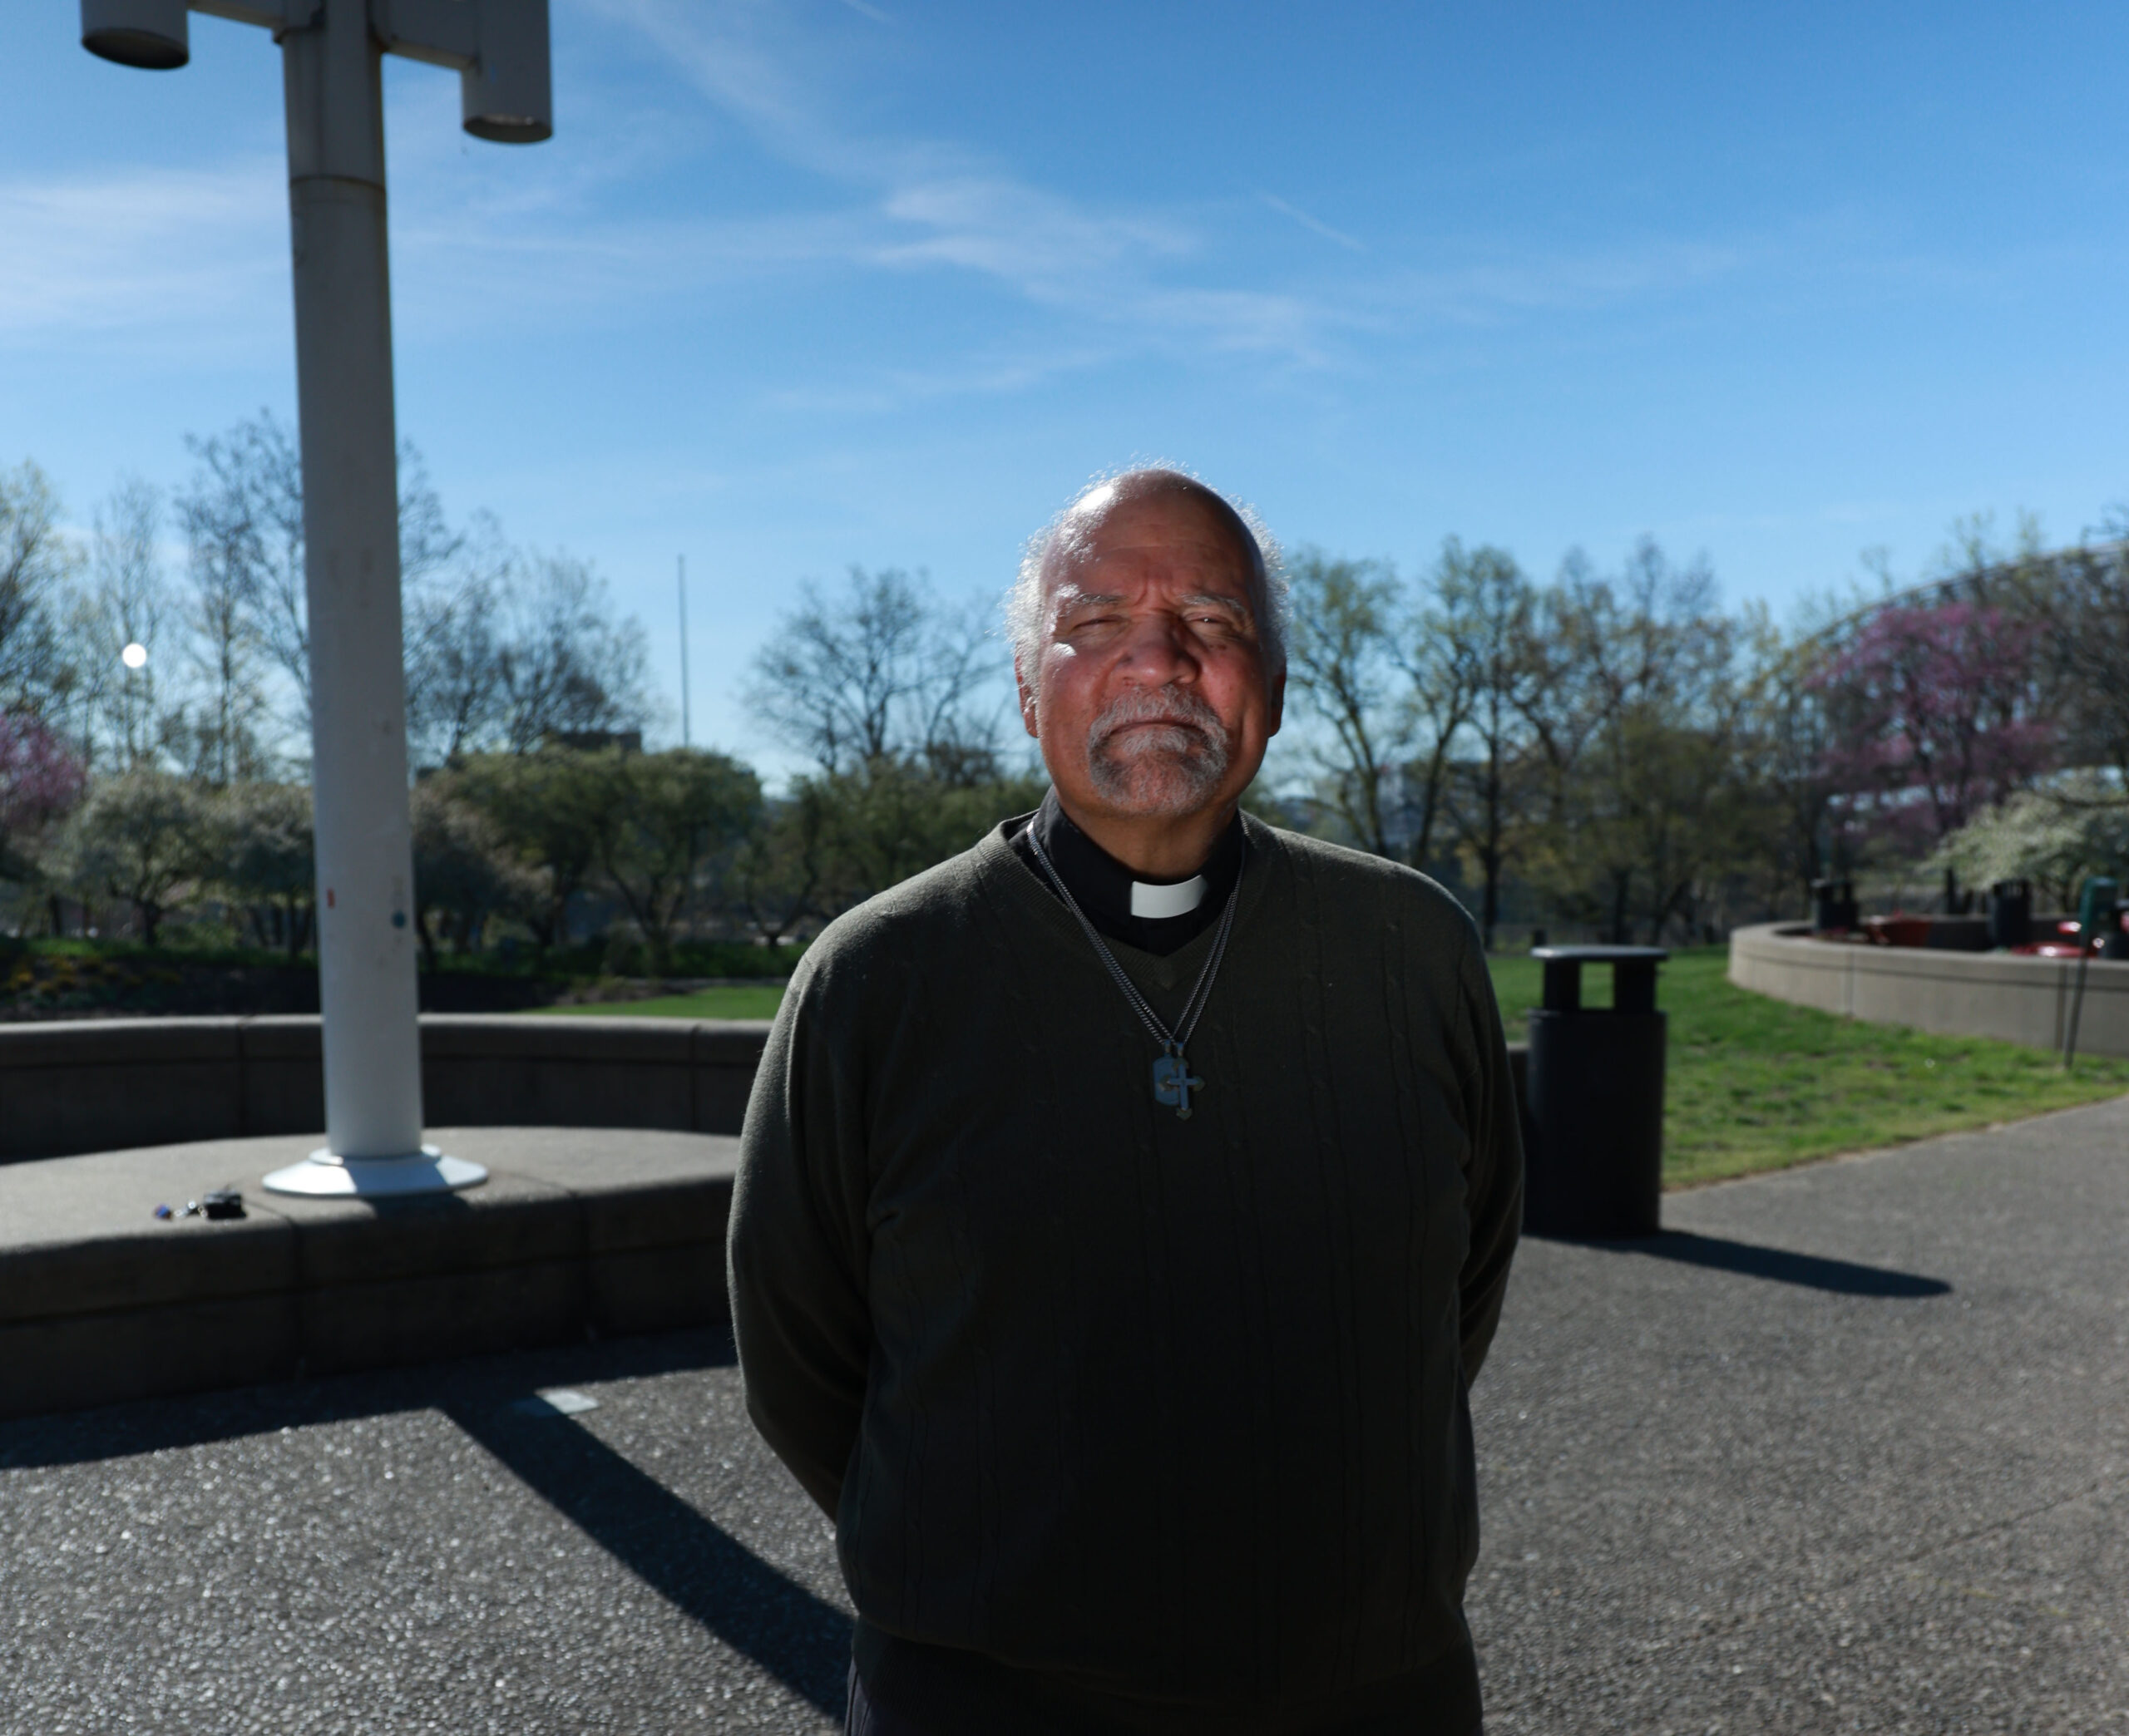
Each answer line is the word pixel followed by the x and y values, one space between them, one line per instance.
pixel 1173 705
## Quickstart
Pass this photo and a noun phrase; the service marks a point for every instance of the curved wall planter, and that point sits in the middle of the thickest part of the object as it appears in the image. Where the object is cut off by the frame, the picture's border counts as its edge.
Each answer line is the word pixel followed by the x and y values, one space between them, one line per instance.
pixel 115 1084
pixel 1969 995
pixel 98 1085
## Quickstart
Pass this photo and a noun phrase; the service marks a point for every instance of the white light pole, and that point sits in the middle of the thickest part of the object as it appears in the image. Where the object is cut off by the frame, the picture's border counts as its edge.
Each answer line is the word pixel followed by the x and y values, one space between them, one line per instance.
pixel 331 64
pixel 680 582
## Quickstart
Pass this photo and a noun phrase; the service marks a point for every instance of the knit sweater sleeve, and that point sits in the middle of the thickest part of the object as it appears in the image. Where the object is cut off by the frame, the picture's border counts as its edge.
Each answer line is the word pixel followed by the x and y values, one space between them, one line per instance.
pixel 798 1243
pixel 1493 1185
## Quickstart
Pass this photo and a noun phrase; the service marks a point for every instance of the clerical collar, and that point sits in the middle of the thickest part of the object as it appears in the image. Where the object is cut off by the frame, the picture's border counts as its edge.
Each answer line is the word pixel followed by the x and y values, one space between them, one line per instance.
pixel 1149 915
pixel 1152 899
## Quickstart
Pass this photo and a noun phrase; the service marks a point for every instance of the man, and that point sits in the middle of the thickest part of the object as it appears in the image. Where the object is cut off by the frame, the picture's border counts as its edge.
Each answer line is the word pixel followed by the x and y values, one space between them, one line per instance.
pixel 1126 1204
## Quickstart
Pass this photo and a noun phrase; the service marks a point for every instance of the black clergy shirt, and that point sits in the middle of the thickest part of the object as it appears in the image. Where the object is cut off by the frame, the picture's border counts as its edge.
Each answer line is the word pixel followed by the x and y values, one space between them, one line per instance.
pixel 1101 885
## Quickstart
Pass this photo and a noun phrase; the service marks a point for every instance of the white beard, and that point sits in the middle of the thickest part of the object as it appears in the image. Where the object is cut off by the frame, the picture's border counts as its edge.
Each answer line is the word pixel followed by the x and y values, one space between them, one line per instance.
pixel 1168 772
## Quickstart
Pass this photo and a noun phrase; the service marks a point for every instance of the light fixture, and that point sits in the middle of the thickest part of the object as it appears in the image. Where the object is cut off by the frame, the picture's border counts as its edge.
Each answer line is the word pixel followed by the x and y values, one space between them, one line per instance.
pixel 332 81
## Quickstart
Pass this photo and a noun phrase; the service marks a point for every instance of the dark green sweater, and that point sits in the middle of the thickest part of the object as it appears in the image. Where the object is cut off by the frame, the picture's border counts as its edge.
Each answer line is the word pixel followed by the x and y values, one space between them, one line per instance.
pixel 1172 1410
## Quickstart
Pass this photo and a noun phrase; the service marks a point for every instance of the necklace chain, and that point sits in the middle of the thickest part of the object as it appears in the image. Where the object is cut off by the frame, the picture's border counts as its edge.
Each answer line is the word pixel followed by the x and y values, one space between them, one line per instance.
pixel 1172 1042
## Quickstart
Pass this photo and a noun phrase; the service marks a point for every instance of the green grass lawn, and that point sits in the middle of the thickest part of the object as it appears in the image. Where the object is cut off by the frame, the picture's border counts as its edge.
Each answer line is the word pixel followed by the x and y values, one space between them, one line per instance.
pixel 1758 1084
pixel 1753 1083
pixel 743 1000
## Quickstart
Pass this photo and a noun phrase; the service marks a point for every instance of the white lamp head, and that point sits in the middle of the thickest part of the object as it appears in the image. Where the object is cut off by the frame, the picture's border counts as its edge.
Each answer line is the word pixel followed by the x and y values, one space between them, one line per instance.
pixel 508 92
pixel 149 33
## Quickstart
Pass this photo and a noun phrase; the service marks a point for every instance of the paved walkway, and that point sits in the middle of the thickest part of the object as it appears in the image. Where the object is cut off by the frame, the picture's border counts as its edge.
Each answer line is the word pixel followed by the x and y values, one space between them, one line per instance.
pixel 1848 1450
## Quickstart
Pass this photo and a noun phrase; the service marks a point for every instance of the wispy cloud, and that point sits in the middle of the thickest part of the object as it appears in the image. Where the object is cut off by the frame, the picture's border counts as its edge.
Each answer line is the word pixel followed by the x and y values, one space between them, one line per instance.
pixel 137 251
pixel 1179 277
pixel 1525 281
pixel 893 388
pixel 936 203
pixel 483 236
pixel 1315 225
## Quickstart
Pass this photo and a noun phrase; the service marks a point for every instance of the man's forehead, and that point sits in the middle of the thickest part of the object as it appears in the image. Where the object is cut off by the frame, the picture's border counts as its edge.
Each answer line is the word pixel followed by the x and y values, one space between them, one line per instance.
pixel 1110 512
pixel 1206 560
pixel 1181 528
pixel 1206 573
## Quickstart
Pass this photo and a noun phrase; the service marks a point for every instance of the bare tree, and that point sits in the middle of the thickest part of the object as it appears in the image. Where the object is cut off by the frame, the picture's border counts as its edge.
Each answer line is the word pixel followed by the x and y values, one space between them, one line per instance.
pixel 882 673
pixel 454 644
pixel 1485 619
pixel 1342 660
pixel 245 500
pixel 1443 676
pixel 565 666
pixel 224 729
pixel 2080 598
pixel 35 561
pixel 126 601
pixel 1805 833
pixel 1645 722
pixel 245 504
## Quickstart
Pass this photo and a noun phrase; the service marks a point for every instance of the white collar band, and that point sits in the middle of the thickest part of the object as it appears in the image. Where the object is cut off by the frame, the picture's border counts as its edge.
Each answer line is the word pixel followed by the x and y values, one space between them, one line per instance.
pixel 1163 901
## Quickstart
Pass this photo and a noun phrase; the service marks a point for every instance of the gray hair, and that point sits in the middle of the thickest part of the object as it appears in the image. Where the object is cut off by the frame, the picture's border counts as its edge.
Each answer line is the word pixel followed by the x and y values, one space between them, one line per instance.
pixel 1024 597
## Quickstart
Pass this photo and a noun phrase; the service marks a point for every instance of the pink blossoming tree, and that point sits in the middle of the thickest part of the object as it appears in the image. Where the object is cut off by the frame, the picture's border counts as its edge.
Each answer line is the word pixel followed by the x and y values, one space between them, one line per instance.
pixel 40 780
pixel 1935 718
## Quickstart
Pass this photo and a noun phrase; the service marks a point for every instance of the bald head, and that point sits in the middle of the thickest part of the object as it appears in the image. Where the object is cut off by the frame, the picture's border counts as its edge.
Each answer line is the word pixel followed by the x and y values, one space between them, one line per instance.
pixel 1062 544
pixel 1148 648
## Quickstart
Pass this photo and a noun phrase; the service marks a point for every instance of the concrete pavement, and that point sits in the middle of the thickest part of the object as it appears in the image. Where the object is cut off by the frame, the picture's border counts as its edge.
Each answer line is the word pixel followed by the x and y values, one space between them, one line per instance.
pixel 1845 1451
pixel 1850 1456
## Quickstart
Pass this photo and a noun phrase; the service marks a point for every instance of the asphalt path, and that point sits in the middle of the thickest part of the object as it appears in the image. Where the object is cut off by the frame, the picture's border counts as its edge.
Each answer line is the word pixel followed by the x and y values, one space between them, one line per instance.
pixel 1845 1450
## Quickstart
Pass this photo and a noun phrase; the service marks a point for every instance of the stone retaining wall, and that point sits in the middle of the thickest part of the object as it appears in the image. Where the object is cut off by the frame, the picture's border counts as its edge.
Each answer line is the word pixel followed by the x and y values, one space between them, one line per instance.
pixel 1969 995
pixel 98 1085
pixel 107 1085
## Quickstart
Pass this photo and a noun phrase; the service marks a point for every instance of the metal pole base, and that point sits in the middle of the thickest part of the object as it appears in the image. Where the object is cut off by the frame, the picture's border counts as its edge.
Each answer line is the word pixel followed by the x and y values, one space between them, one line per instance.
pixel 427 1170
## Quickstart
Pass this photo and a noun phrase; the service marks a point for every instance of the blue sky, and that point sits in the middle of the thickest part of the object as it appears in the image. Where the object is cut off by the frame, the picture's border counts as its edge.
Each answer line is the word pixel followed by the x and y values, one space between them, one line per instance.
pixel 805 284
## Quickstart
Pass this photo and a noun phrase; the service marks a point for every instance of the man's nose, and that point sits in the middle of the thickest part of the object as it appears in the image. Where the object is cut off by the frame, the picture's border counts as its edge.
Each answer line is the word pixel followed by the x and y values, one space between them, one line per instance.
pixel 1158 651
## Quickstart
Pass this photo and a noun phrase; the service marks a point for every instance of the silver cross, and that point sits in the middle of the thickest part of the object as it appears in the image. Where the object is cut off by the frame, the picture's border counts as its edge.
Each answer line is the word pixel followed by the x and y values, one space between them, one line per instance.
pixel 1172 1083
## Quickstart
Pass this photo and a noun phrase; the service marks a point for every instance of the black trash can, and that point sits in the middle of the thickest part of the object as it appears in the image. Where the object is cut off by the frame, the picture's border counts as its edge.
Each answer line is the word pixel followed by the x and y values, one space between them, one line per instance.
pixel 1595 1167
pixel 2010 913
pixel 1833 904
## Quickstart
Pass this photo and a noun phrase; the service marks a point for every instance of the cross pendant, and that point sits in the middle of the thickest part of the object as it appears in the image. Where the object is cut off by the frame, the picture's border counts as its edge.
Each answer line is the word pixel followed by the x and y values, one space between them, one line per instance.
pixel 1172 1083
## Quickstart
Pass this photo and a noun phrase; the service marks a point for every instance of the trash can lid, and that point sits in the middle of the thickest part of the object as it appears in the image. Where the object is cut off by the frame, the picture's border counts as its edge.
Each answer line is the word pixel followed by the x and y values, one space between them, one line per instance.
pixel 1600 954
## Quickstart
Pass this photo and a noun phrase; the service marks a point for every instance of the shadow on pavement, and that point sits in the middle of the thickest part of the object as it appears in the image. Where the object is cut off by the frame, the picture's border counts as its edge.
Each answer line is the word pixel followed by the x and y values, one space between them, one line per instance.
pixel 149 1425
pixel 1842 1277
pixel 796 1637
pixel 802 1641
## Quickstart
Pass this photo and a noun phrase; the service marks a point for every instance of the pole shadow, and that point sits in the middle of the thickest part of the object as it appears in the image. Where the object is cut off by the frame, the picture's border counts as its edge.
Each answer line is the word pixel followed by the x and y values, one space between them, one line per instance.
pixel 1748 1259
pixel 193 1419
pixel 800 1639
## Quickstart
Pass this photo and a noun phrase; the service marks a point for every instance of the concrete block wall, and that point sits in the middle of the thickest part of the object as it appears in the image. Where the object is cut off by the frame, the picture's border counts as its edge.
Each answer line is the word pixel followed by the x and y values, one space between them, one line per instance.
pixel 99 1085
pixel 2025 1000
pixel 104 1085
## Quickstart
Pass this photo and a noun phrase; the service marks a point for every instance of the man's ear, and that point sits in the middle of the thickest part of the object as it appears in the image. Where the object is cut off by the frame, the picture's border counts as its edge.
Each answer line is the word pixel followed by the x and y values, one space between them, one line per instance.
pixel 1275 701
pixel 1027 698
